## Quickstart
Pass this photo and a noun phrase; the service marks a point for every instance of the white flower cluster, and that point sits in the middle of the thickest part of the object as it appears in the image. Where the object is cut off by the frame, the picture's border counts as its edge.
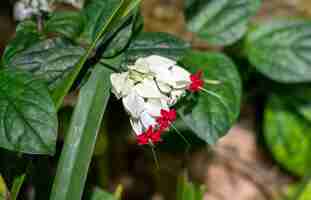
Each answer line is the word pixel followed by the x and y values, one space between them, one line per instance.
pixel 152 84
pixel 24 9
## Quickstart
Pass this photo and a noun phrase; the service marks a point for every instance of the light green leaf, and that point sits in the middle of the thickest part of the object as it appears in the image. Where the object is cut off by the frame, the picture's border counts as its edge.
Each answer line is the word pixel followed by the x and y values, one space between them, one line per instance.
pixel 51 60
pixel 280 50
pixel 220 22
pixel 81 137
pixel 66 23
pixel 163 44
pixel 17 185
pixel 98 194
pixel 286 134
pixel 28 120
pixel 3 189
pixel 187 190
pixel 212 114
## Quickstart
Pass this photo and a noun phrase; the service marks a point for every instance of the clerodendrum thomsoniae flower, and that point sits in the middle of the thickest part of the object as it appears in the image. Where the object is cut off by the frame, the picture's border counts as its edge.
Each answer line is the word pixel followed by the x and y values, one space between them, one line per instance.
pixel 149 90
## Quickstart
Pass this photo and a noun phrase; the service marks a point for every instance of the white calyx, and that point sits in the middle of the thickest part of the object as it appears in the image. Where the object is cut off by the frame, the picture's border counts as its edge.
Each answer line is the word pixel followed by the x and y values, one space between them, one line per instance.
pixel 152 84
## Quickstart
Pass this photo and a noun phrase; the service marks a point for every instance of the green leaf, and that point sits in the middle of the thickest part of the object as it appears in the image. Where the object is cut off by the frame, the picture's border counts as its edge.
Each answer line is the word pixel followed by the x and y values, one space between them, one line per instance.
pixel 81 138
pixel 26 36
pixel 51 60
pixel 124 9
pixel 215 110
pixel 66 23
pixel 300 191
pixel 28 120
pixel 163 44
pixel 286 134
pixel 220 22
pixel 17 185
pixel 187 190
pixel 98 194
pixel 280 50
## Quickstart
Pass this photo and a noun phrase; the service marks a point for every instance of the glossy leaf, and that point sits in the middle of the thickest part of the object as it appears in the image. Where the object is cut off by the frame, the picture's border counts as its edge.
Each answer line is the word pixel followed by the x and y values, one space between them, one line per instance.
pixel 280 50
pixel 26 36
pixel 50 60
pixel 212 114
pixel 81 137
pixel 220 22
pixel 163 44
pixel 286 134
pixel 123 10
pixel 66 23
pixel 28 120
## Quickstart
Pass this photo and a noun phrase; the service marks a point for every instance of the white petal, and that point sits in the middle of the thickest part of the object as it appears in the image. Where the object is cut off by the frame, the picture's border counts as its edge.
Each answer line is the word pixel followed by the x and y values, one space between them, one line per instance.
pixel 156 61
pixel 137 126
pixel 134 104
pixel 148 89
pixel 180 76
pixel 121 84
pixel 141 66
pixel 175 96
pixel 154 106
pixel 147 120
pixel 165 88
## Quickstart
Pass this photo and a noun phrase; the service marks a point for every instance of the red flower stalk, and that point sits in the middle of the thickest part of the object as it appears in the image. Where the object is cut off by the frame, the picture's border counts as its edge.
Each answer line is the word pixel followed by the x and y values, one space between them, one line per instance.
pixel 196 81
pixel 151 135
pixel 167 117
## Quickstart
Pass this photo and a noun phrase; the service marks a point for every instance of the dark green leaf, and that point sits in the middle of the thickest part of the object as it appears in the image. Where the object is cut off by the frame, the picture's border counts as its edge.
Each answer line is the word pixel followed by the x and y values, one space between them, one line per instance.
pixel 28 120
pixel 81 138
pixel 162 44
pixel 213 113
pixel 66 23
pixel 220 22
pixel 287 135
pixel 26 36
pixel 281 49
pixel 50 60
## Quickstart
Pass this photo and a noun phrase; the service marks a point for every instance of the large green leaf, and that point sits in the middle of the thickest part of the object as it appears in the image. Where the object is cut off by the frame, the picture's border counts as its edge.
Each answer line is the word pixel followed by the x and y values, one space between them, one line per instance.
pixel 287 136
pixel 164 44
pixel 81 137
pixel 28 120
pixel 17 185
pixel 102 29
pixel 212 114
pixel 66 23
pixel 220 22
pixel 281 49
pixel 51 60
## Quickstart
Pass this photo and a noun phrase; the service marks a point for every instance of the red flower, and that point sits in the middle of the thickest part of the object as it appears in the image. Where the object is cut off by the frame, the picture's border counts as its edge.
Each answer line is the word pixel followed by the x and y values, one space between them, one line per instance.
pixel 167 117
pixel 196 82
pixel 149 136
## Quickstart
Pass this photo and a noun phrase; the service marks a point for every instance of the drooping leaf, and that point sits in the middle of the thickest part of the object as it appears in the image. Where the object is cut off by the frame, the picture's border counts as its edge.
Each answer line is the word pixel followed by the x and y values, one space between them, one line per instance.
pixel 51 60
pixel 212 114
pixel 163 44
pixel 187 190
pixel 66 23
pixel 280 50
pixel 81 137
pixel 287 136
pixel 28 120
pixel 123 10
pixel 220 22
